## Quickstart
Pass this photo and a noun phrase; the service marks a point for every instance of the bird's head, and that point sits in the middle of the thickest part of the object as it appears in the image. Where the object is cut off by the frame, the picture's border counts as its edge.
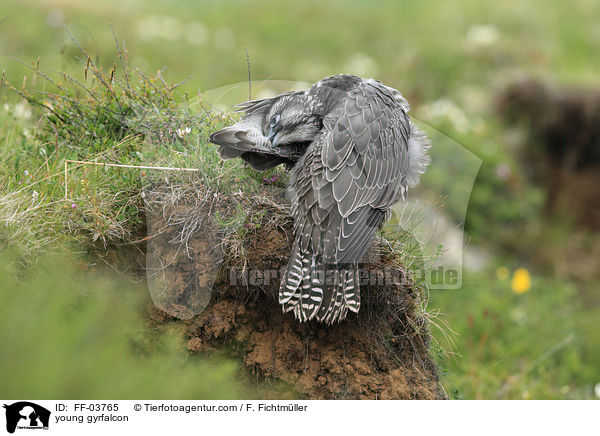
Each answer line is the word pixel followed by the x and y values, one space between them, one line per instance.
pixel 286 121
pixel 291 119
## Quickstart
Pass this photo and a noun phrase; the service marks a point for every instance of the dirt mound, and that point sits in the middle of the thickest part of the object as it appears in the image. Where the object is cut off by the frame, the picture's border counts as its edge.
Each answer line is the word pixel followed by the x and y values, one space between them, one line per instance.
pixel 381 353
pixel 563 145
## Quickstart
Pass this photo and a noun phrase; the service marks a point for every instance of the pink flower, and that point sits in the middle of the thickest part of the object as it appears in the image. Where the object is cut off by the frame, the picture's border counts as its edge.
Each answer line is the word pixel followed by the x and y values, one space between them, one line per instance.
pixel 270 180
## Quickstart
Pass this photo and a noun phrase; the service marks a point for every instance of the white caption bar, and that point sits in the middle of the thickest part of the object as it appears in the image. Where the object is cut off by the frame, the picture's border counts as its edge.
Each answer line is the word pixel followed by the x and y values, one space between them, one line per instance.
pixel 300 417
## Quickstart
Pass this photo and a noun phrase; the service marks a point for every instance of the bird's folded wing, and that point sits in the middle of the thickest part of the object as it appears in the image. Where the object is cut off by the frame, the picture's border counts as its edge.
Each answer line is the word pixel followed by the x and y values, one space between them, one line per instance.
pixel 356 178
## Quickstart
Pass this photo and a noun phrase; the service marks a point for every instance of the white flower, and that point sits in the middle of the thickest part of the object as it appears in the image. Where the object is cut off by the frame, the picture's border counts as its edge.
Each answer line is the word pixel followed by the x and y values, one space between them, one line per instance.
pixel 182 132
pixel 25 173
pixel 22 110
pixel 172 28
pixel 151 27
pixel 445 109
pixel 519 316
pixel 55 18
pixel 35 194
pixel 361 65
pixel 482 35
pixel 27 133
pixel 196 33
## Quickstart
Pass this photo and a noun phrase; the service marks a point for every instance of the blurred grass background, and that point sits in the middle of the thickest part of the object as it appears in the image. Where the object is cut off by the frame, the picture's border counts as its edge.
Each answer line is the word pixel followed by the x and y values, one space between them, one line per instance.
pixel 71 334
pixel 449 59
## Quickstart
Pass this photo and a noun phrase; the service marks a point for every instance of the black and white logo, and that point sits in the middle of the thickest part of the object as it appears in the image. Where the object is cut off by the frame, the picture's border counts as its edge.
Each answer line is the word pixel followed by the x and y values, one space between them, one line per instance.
pixel 26 415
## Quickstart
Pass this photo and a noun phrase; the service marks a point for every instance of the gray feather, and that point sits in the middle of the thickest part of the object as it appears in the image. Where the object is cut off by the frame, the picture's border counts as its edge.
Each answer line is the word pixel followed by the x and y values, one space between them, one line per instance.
pixel 354 153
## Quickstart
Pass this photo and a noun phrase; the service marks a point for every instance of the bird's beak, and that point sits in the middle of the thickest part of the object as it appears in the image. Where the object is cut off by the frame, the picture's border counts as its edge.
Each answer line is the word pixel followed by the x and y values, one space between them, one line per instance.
pixel 273 138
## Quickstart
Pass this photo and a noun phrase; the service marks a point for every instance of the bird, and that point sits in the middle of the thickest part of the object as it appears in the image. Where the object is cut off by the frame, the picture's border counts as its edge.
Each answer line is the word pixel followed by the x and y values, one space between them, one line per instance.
pixel 352 152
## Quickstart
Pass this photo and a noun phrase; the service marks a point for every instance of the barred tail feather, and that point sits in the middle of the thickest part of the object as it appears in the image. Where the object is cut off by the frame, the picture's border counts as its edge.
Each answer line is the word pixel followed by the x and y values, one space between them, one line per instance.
pixel 343 295
pixel 312 291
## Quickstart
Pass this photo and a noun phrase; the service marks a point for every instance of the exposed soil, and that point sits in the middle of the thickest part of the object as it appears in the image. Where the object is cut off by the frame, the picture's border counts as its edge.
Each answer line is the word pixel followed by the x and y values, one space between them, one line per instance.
pixel 381 353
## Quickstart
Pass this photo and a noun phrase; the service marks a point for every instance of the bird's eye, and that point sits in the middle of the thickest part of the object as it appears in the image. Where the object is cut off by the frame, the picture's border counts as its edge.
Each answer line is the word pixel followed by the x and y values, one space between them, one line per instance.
pixel 275 120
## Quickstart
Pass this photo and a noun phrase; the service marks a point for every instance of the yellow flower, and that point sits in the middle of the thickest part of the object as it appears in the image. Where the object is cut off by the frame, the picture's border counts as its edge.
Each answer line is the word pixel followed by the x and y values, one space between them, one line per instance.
pixel 521 281
pixel 502 273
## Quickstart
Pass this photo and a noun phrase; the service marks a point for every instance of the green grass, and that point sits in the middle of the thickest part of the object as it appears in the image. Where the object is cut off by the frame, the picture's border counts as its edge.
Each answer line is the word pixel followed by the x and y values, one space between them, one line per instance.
pixel 72 333
pixel 412 44
pixel 122 117
pixel 448 58
pixel 538 345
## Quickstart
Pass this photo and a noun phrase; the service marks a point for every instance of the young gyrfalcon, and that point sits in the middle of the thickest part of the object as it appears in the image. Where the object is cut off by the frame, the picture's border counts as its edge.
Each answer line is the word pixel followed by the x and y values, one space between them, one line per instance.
pixel 353 152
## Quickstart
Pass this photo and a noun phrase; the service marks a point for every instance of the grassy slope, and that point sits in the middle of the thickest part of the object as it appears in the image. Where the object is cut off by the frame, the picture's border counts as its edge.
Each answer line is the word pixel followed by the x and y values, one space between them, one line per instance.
pixel 540 344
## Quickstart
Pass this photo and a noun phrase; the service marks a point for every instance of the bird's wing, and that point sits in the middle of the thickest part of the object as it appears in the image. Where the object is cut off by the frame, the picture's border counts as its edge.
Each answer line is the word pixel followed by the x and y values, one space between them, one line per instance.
pixel 353 175
pixel 260 105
